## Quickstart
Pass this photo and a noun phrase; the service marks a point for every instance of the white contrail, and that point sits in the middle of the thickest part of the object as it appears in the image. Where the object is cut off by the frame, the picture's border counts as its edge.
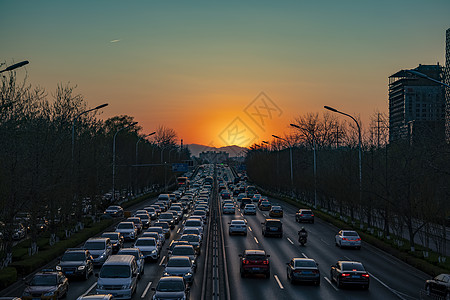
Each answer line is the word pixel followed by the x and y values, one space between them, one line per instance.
pixel 114 41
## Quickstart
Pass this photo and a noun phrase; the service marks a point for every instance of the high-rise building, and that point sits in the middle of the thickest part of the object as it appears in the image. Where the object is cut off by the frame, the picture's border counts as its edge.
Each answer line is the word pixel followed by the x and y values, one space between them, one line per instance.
pixel 447 81
pixel 416 105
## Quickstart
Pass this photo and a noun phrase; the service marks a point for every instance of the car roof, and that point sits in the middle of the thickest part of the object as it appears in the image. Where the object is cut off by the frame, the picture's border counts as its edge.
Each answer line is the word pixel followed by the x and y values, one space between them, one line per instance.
pixel 96 239
pixel 258 252
pixel 273 220
pixel 119 259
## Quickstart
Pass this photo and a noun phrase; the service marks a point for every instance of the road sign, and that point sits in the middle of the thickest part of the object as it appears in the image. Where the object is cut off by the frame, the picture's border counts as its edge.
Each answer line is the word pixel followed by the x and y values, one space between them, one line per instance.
pixel 180 168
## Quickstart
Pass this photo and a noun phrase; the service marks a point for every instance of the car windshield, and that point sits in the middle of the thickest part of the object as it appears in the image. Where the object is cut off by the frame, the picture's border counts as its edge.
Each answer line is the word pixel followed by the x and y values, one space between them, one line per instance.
pixel 112 208
pixel 350 233
pixel 170 286
pixel 153 229
pixel 142 216
pixel 304 263
pixel 44 280
pixel 178 263
pixel 306 212
pixel 237 223
pixel 146 242
pixel 255 257
pixel 191 231
pixel 111 271
pixel 111 236
pixel 352 267
pixel 193 223
pixel 189 238
pixel 125 226
pixel 162 224
pixel 134 253
pixel 273 224
pixel 166 216
pixel 94 245
pixel 183 251
pixel 73 256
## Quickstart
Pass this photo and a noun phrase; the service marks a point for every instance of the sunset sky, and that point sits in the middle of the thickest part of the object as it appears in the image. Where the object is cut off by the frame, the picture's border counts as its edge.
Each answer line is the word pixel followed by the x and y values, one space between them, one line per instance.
pixel 204 67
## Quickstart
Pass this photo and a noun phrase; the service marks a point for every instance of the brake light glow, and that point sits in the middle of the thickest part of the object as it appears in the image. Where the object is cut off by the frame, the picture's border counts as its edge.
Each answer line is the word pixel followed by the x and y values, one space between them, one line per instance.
pixel 345 274
pixel 245 261
pixel 266 262
pixel 365 275
pixel 358 239
pixel 345 239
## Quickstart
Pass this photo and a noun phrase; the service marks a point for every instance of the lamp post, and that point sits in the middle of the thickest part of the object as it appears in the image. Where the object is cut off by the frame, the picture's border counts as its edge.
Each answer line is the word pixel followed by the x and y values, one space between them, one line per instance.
pixel 419 74
pixel 315 159
pixel 114 159
pixel 147 135
pixel 15 66
pixel 359 146
pixel 73 126
pixel 290 157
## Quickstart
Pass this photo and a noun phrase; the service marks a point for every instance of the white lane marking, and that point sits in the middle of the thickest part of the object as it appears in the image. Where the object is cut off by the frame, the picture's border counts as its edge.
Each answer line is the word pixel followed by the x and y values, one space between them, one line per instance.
pixel 146 289
pixel 348 258
pixel 250 228
pixel 256 240
pixel 89 289
pixel 388 287
pixel 324 242
pixel 279 282
pixel 329 281
pixel 290 241
pixel 162 260
pixel 178 231
pixel 304 255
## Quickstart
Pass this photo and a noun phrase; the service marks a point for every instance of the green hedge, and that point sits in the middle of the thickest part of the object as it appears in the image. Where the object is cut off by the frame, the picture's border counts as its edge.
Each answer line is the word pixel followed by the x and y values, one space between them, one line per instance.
pixel 8 276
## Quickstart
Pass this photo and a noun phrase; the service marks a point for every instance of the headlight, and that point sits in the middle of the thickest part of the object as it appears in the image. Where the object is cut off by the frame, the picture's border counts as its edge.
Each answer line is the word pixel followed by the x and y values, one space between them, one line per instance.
pixel 166 274
pixel 102 255
pixel 49 293
pixel 188 275
pixel 81 268
pixel 58 268
pixel 154 251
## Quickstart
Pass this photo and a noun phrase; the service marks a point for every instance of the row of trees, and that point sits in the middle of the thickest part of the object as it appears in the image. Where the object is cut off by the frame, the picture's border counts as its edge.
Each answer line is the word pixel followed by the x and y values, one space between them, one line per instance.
pixel 47 175
pixel 405 185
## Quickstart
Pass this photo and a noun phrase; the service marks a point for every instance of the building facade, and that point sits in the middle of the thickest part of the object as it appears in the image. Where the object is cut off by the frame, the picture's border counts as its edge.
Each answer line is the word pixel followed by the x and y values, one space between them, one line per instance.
pixel 416 105
pixel 447 81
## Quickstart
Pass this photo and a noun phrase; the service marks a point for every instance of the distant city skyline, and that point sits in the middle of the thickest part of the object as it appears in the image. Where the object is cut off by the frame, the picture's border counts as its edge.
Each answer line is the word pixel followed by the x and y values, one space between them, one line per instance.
pixel 212 71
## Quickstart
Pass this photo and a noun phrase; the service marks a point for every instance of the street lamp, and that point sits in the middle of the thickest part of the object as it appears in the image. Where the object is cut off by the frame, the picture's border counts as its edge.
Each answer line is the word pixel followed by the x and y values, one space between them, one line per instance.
pixel 147 135
pixel 414 72
pixel 315 166
pixel 15 66
pixel 359 146
pixel 76 119
pixel 114 158
pixel 290 156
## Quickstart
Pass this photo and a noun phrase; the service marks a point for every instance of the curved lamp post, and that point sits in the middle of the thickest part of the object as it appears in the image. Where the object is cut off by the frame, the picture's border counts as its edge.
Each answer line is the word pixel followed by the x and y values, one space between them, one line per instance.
pixel 144 136
pixel 315 158
pixel 414 72
pixel 114 159
pixel 15 66
pixel 359 146
pixel 290 156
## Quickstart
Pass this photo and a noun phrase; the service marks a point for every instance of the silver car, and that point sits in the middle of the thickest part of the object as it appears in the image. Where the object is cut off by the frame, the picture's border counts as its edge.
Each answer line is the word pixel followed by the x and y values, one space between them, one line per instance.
pixel 180 266
pixel 148 247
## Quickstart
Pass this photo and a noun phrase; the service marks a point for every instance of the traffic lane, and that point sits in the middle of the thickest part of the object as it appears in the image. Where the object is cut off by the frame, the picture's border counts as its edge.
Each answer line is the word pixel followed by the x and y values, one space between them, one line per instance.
pixel 401 280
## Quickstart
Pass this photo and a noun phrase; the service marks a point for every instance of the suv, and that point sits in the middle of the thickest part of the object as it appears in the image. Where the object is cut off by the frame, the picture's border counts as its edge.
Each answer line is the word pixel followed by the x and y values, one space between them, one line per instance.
pixel 245 201
pixel 272 227
pixel 127 230
pixel 304 215
pixel 255 262
pixel 76 262
pixel 116 240
pixel 100 249
pixel 46 284
pixel 171 287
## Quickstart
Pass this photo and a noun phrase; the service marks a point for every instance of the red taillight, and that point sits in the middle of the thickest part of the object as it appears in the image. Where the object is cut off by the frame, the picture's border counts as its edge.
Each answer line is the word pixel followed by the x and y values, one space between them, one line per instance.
pixel 301 215
pixel 312 215
pixel 345 274
pixel 345 239
pixel 266 262
pixel 245 262
pixel 358 239
pixel 365 275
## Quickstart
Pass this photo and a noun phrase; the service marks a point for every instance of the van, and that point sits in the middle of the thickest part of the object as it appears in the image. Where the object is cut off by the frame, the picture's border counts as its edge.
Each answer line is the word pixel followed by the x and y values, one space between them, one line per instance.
pixel 118 277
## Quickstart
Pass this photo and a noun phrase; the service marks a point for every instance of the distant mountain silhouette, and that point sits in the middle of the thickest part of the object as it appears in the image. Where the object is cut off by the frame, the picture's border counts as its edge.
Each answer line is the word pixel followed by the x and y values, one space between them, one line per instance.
pixel 234 151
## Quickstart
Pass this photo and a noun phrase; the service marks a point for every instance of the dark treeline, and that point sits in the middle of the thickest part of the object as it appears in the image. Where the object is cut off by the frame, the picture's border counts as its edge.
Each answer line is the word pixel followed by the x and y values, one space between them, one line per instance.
pixel 405 185
pixel 40 175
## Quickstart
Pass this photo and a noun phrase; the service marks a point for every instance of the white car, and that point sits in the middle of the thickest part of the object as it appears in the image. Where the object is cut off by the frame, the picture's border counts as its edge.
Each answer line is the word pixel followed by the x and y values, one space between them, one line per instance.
pixel 348 238
pixel 237 227
pixel 229 209
pixel 148 246
pixel 250 209
pixel 127 230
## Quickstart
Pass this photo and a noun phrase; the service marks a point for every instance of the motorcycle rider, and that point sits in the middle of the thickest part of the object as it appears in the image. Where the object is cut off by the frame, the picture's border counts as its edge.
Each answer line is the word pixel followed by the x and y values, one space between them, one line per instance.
pixel 302 234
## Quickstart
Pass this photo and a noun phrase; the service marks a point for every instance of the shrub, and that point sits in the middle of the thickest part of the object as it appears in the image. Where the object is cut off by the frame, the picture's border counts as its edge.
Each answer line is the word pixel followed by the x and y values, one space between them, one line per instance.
pixel 8 276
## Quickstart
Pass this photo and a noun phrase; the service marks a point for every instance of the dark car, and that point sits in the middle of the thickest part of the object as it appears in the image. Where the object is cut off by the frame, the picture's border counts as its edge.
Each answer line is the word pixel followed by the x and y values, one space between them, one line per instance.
pixel 171 287
pixel 265 205
pixel 114 211
pixel 439 285
pixel 303 270
pixel 116 240
pixel 304 215
pixel 174 243
pixel 47 284
pixel 255 262
pixel 272 227
pixel 349 273
pixel 245 201
pixel 77 263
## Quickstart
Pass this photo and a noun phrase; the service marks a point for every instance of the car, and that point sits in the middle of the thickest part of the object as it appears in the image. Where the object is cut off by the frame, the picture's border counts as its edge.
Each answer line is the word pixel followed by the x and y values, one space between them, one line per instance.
pixel 439 286
pixel 303 270
pixel 179 210
pixel 173 243
pixel 127 230
pixel 100 249
pixel 254 262
pixel 229 209
pixel 241 196
pixel 115 211
pixel 171 287
pixel 152 212
pixel 185 250
pixel 47 284
pixel 76 263
pixel 137 222
pixel 250 209
pixel 194 240
pixel 194 223
pixel 265 205
pixel 180 266
pixel 145 219
pixel 148 246
pixel 304 215
pixel 192 230
pixel 19 232
pixel 276 211
pixel 200 213
pixel 116 240
pixel 272 227
pixel 225 194
pixel 167 217
pixel 237 227
pixel 154 235
pixel 349 273
pixel 157 208
pixel 165 226
pixel 159 230
pixel 138 256
pixel 348 238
